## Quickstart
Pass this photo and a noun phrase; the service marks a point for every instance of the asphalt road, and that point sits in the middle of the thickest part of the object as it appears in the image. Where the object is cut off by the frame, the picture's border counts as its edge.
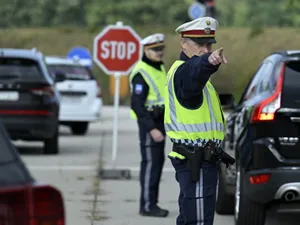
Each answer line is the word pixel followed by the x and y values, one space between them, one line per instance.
pixel 73 171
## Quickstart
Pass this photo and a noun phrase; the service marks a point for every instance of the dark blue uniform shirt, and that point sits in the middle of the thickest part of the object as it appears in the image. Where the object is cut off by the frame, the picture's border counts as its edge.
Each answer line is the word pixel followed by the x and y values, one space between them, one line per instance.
pixel 190 79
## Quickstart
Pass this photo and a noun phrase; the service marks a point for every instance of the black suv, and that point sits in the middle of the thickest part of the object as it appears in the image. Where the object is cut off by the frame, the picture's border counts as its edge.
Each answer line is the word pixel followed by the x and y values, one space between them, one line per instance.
pixel 29 103
pixel 262 133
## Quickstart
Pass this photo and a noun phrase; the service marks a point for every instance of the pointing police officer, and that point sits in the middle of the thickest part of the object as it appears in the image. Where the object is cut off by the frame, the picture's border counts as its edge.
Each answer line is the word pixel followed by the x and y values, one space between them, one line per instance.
pixel 147 82
pixel 194 121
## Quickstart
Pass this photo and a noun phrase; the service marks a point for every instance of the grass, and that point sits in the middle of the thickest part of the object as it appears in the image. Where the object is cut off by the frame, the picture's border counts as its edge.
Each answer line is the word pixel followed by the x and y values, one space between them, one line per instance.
pixel 243 50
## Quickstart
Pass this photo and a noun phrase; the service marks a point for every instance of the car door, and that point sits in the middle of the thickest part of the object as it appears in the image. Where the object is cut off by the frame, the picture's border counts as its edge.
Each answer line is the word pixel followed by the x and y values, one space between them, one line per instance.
pixel 253 95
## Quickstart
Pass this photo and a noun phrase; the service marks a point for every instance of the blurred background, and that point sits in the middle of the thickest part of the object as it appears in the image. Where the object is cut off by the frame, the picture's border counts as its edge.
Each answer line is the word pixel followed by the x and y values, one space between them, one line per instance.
pixel 248 30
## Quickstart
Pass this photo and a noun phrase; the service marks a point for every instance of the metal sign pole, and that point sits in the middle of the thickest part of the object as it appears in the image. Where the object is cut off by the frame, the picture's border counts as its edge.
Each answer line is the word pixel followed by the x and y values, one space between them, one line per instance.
pixel 116 124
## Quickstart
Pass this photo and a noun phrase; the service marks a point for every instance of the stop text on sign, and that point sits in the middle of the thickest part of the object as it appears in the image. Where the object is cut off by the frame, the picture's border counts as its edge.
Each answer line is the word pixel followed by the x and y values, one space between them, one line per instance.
pixel 117 49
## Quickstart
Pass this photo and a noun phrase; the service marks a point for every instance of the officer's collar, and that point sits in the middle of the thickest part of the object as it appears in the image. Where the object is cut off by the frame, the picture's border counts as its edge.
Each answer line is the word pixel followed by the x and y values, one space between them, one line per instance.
pixel 150 62
pixel 183 57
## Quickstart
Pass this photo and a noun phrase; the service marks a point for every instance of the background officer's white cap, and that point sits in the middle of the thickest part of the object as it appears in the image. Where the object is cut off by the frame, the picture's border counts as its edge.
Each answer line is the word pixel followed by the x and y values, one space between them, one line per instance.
pixel 154 40
pixel 201 30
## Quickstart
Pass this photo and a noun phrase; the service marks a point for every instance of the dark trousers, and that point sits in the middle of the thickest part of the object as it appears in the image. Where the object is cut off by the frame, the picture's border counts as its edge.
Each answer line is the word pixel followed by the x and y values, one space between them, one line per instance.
pixel 152 162
pixel 196 199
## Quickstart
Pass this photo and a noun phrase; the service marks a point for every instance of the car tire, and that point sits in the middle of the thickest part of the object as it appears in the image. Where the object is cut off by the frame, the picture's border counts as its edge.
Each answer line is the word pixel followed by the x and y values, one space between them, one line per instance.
pixel 79 128
pixel 224 202
pixel 51 145
pixel 247 212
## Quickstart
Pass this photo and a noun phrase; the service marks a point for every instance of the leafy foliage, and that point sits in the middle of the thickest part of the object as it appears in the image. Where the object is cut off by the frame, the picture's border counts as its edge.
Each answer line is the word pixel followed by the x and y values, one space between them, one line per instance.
pixel 95 13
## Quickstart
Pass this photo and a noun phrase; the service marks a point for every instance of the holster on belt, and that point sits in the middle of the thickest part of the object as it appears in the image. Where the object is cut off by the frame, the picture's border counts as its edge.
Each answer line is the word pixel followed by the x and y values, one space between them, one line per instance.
pixel 194 156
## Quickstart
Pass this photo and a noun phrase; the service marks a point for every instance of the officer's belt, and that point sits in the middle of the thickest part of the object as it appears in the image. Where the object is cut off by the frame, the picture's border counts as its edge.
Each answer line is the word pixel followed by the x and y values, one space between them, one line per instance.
pixel 189 148
pixel 194 156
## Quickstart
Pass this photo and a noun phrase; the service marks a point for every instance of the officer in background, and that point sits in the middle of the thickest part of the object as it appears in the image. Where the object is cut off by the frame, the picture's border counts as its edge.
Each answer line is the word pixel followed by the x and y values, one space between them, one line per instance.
pixel 147 82
pixel 194 121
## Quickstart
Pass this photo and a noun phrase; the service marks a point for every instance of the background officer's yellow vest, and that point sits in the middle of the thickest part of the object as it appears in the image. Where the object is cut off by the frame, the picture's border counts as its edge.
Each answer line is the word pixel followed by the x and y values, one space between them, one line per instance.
pixel 156 81
pixel 192 126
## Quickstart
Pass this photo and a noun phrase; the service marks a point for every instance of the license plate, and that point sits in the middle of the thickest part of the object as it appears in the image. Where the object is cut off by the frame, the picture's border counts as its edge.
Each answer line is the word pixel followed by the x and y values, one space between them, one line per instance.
pixel 9 96
pixel 71 99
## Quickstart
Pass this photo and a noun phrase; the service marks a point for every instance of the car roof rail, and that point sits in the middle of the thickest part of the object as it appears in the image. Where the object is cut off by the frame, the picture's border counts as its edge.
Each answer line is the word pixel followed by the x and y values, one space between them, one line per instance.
pixel 37 52
pixel 34 50
pixel 293 52
pixel 76 58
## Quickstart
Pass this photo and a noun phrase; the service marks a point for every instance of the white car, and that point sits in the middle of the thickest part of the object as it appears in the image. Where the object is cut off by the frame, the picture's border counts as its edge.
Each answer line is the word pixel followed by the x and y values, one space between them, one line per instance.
pixel 81 96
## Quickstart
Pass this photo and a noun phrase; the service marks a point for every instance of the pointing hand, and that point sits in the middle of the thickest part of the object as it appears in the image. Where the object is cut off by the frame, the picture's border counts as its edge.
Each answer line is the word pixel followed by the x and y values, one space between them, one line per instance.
pixel 217 57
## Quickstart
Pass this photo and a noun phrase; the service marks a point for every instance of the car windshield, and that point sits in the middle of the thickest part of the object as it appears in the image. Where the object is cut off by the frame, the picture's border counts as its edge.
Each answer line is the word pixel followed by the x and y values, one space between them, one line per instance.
pixel 71 72
pixel 18 67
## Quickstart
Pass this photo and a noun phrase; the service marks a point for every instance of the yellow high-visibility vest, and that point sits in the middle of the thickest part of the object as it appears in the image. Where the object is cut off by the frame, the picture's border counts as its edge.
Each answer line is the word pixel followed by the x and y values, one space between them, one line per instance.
pixel 155 79
pixel 192 127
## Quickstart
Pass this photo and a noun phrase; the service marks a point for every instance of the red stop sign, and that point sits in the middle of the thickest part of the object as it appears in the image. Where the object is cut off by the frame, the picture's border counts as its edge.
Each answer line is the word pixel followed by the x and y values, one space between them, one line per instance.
pixel 117 49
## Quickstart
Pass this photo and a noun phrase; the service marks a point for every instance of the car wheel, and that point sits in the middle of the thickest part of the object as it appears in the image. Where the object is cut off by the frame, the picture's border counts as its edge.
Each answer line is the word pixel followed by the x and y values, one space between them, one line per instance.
pixel 225 202
pixel 247 212
pixel 51 145
pixel 79 128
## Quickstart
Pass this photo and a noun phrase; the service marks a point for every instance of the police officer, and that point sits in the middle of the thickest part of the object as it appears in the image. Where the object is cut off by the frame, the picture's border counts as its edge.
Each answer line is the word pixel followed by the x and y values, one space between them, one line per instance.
pixel 194 120
pixel 147 82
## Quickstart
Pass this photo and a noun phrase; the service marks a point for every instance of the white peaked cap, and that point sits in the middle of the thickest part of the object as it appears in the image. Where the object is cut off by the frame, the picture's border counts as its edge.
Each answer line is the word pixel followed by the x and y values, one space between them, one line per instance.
pixel 201 29
pixel 153 40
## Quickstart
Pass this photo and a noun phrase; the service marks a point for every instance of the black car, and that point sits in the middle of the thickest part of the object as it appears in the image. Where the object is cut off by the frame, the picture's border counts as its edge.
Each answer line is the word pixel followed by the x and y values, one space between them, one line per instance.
pixel 262 134
pixel 29 102
pixel 24 200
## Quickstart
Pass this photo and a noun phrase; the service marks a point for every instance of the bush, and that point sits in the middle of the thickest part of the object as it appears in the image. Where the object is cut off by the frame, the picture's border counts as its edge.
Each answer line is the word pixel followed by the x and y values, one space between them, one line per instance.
pixel 243 50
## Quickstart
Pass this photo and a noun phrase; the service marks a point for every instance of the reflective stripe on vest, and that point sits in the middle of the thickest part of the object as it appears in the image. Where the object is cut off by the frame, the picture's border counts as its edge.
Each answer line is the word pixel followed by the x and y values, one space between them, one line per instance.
pixel 160 99
pixel 174 125
pixel 155 79
pixel 202 132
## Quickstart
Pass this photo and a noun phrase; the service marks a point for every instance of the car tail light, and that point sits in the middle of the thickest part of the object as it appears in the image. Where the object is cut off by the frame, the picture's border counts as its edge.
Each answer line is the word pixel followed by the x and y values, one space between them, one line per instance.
pixel 25 112
pixel 14 206
pixel 47 206
pixel 99 92
pixel 47 90
pixel 265 111
pixel 31 205
pixel 260 179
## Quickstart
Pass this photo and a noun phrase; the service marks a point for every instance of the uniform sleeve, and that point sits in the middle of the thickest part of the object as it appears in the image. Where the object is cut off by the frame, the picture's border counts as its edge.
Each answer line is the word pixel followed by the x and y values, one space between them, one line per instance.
pixel 190 79
pixel 139 95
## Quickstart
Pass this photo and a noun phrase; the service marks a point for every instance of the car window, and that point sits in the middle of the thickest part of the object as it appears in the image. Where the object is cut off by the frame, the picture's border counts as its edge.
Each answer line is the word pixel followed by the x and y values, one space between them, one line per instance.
pixel 6 154
pixel 12 169
pixel 291 84
pixel 266 82
pixel 253 87
pixel 72 72
pixel 19 68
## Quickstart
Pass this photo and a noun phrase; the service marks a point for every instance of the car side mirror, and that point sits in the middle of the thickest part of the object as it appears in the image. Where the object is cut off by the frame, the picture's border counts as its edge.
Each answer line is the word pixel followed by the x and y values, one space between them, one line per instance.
pixel 227 101
pixel 59 77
